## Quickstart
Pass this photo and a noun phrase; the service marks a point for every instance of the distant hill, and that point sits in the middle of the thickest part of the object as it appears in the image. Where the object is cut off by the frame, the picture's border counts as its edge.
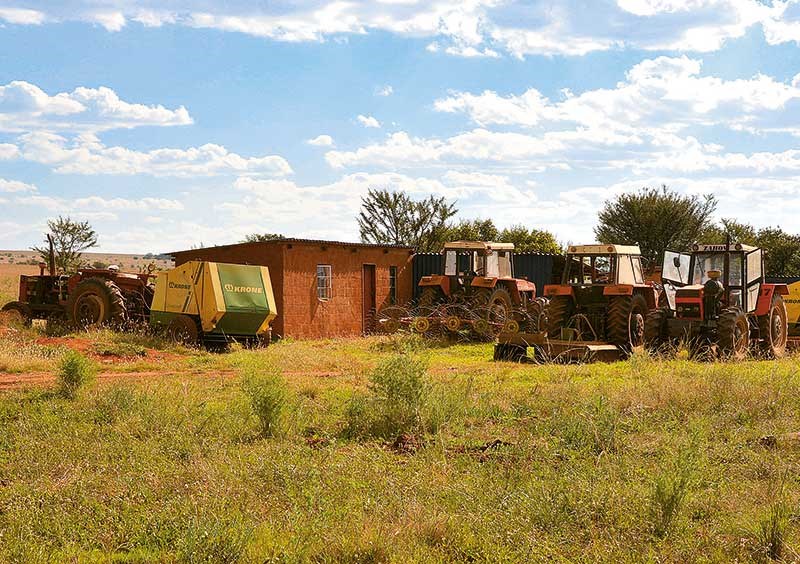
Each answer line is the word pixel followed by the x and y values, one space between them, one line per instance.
pixel 133 263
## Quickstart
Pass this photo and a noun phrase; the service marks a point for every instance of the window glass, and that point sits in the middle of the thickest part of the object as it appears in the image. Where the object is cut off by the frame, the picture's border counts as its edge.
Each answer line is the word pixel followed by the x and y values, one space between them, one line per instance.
pixel 638 277
pixel 675 267
pixel 586 265
pixel 492 266
pixel 324 282
pixel 752 297
pixel 703 262
pixel 753 266
pixel 504 264
pixel 450 259
pixel 393 285
pixel 625 270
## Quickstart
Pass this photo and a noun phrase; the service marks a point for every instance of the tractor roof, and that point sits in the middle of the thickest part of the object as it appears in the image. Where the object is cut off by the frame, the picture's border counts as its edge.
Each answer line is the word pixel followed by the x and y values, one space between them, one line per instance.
pixel 478 246
pixel 598 249
pixel 735 247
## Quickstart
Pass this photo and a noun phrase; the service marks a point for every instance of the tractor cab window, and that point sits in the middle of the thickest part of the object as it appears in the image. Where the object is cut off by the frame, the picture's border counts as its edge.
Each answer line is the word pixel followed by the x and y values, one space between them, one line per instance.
pixel 450 263
pixel 676 268
pixel 504 264
pixel 492 266
pixel 704 262
pixel 479 264
pixel 591 269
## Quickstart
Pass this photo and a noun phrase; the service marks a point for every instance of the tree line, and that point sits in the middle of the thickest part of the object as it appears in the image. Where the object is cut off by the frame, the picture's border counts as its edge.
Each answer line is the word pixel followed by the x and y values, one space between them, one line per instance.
pixel 655 218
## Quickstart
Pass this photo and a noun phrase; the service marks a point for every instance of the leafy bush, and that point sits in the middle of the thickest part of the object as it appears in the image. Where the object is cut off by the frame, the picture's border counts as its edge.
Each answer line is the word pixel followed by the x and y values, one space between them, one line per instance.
pixel 268 395
pixel 74 372
pixel 396 404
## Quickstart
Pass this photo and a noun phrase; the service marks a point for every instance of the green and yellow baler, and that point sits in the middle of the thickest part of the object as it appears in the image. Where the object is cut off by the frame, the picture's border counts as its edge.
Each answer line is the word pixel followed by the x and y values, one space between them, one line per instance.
pixel 214 304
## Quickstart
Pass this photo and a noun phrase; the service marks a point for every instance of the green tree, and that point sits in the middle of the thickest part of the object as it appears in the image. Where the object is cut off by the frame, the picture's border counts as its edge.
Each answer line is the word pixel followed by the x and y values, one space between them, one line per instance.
pixel 70 239
pixel 530 240
pixel 781 249
pixel 471 230
pixel 718 233
pixel 389 217
pixel 262 237
pixel 656 219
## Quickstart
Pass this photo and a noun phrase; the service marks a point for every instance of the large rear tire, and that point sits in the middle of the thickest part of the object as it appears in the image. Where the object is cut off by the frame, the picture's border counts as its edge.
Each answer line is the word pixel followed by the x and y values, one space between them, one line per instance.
pixel 773 329
pixel 537 316
pixel 19 313
pixel 656 332
pixel 430 298
pixel 96 302
pixel 500 308
pixel 733 334
pixel 625 321
pixel 558 312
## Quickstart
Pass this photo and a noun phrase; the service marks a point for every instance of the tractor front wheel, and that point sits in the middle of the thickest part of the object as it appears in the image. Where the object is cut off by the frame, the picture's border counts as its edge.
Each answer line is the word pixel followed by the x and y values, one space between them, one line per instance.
pixel 625 321
pixel 733 334
pixel 774 329
pixel 19 313
pixel 96 302
pixel 183 330
pixel 500 309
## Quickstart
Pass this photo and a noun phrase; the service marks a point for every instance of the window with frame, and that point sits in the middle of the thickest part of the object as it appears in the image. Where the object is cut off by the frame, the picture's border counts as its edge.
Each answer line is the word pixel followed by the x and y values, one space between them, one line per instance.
pixel 393 285
pixel 324 282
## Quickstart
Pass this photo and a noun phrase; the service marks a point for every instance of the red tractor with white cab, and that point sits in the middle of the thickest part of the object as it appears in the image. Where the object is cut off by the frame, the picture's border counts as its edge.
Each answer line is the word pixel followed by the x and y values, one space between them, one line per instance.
pixel 719 304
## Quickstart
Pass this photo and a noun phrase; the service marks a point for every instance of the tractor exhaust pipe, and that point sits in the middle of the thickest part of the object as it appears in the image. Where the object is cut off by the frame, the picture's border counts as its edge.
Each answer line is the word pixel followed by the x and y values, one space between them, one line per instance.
pixel 727 269
pixel 51 256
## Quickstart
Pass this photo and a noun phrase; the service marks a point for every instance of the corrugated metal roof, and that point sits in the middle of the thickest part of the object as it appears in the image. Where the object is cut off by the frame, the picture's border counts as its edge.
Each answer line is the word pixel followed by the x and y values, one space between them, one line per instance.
pixel 298 241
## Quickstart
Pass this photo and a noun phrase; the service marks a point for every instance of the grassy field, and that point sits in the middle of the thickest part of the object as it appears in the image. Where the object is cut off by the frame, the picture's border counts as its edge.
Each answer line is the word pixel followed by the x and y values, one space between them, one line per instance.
pixel 388 450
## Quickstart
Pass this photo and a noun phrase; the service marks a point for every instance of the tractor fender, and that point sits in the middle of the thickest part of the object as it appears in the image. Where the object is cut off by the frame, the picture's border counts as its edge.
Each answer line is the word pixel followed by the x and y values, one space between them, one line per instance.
pixel 518 289
pixel 483 282
pixel 437 281
pixel 618 290
pixel 552 290
pixel 765 297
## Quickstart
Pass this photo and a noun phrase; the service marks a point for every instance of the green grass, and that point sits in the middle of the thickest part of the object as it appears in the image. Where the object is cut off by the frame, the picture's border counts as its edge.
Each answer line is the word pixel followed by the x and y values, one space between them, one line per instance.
pixel 640 460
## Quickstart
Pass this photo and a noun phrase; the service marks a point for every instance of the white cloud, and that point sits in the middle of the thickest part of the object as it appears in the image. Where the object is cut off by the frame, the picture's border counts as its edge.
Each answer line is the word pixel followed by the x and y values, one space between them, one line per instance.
pixel 8 151
pixel 15 186
pixel 25 106
pixel 386 90
pixel 662 92
pixel 368 121
pixel 85 154
pixel 463 28
pixel 21 16
pixel 321 141
pixel 124 204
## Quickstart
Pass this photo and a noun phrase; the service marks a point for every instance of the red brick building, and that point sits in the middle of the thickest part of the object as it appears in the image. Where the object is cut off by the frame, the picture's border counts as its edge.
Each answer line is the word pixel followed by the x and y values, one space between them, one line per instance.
pixel 323 288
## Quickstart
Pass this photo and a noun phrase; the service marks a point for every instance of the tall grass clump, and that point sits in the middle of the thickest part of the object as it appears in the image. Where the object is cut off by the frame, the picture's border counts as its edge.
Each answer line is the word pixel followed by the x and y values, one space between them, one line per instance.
pixel 74 372
pixel 398 392
pixel 770 533
pixel 668 493
pixel 222 542
pixel 268 395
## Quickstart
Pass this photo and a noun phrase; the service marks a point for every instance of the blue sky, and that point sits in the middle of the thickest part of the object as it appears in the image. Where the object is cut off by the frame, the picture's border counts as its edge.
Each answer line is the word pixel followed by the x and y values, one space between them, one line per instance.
pixel 170 124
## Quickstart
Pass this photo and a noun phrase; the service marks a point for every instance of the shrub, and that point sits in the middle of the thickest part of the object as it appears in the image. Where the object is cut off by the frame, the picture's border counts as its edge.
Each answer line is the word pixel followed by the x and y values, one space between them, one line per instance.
pixel 75 371
pixel 268 396
pixel 398 391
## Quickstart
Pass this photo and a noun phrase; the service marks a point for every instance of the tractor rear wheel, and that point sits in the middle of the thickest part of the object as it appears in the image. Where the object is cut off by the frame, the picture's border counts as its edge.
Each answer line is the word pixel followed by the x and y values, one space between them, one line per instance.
pixel 19 313
pixel 656 337
pixel 183 330
pixel 429 299
pixel 96 302
pixel 625 321
pixel 773 329
pixel 557 314
pixel 733 334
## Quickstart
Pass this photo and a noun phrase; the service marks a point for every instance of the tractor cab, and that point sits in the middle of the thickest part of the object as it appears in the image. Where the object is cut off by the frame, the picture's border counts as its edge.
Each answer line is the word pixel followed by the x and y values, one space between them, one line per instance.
pixel 588 265
pixel 722 275
pixel 470 259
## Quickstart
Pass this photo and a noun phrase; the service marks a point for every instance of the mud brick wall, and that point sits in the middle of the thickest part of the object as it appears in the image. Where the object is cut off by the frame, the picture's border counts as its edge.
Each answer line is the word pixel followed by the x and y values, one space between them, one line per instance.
pixel 293 270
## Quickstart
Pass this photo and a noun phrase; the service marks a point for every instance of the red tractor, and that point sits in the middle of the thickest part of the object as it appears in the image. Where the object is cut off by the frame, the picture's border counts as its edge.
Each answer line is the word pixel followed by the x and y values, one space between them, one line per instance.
pixel 90 297
pixel 478 277
pixel 719 303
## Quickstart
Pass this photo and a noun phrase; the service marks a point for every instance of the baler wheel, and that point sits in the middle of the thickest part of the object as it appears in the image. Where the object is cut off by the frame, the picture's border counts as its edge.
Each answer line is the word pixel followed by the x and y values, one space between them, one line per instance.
pixel 183 330
pixel 96 302
pixel 733 334
pixel 773 329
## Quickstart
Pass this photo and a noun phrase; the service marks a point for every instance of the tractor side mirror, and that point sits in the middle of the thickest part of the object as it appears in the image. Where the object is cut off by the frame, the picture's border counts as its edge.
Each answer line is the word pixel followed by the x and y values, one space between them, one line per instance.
pixel 676 262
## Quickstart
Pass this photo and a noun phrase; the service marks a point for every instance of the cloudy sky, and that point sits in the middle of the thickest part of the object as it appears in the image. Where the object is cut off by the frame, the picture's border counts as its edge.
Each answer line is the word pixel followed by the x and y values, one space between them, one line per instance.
pixel 170 123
